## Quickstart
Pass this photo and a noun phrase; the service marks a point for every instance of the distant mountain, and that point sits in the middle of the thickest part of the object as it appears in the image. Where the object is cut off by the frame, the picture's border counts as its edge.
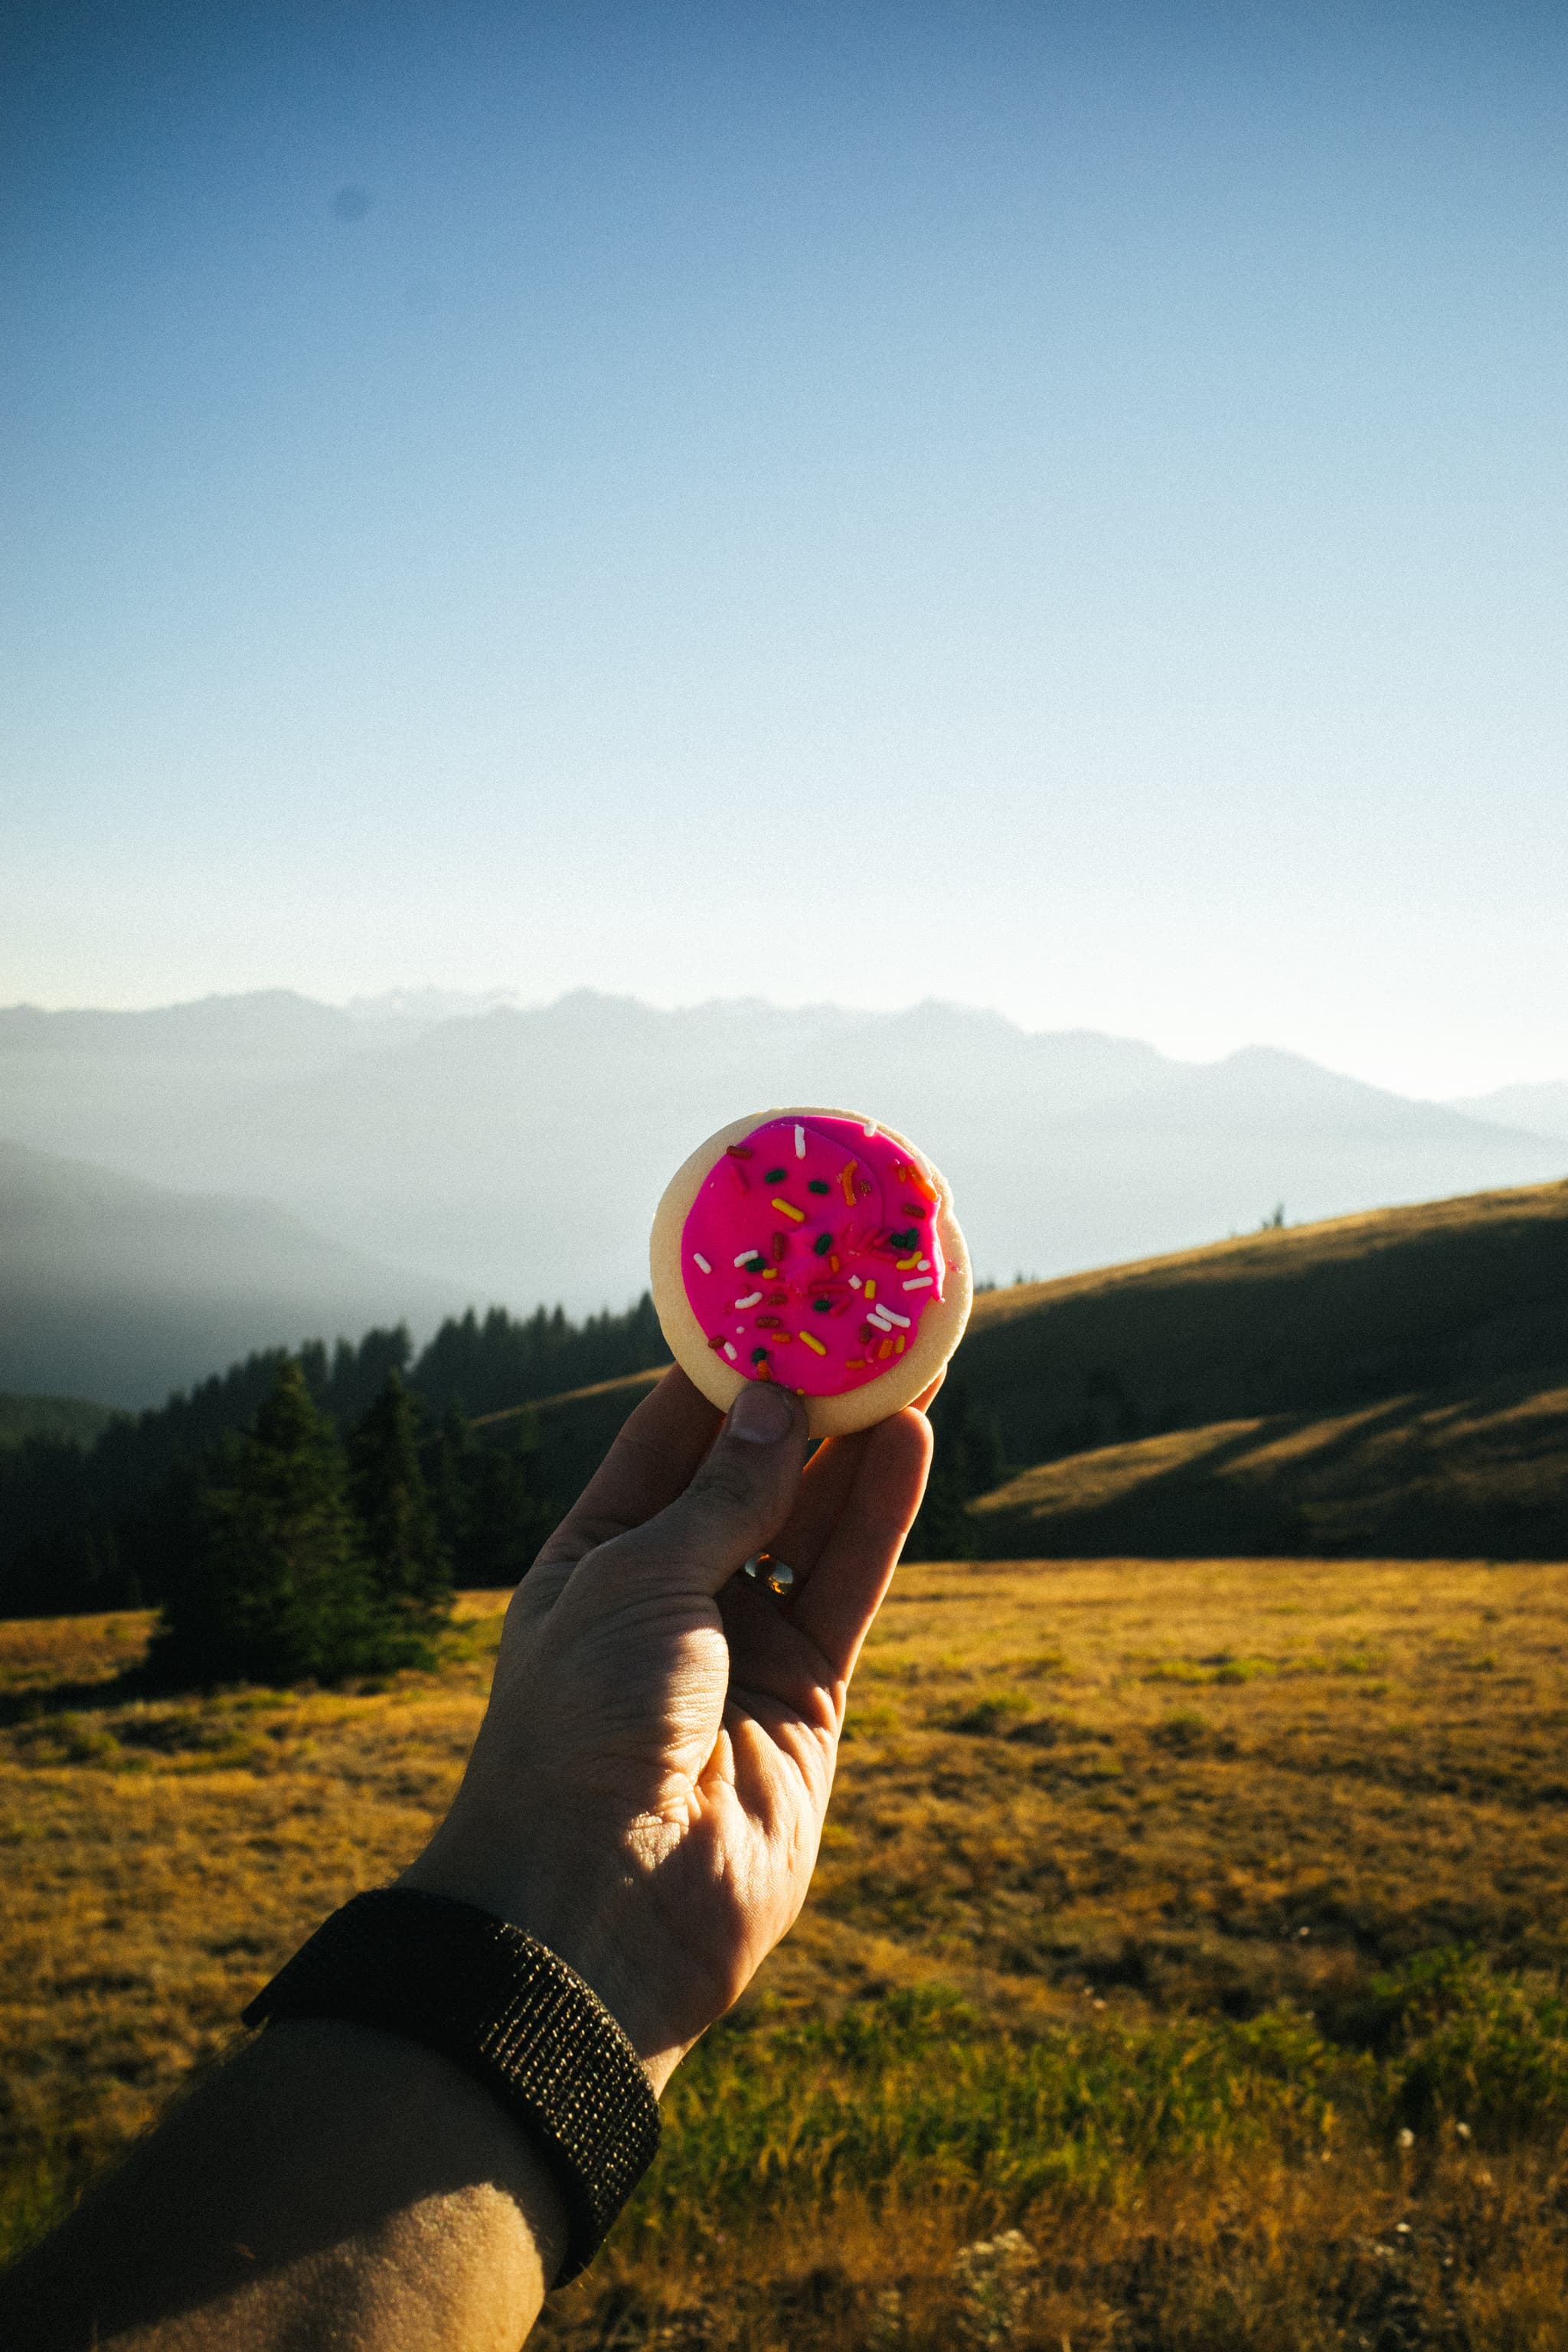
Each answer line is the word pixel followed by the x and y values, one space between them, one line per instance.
pixel 1543 1109
pixel 118 1290
pixel 516 1154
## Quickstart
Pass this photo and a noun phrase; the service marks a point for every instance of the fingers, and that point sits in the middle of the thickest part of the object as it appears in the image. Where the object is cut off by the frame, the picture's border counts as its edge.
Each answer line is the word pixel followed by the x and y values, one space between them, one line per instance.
pixel 649 1464
pixel 740 1496
pixel 854 1567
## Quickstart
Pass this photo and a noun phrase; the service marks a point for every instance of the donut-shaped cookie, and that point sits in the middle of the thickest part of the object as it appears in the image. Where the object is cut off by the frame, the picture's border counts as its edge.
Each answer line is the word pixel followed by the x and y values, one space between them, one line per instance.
pixel 815 1248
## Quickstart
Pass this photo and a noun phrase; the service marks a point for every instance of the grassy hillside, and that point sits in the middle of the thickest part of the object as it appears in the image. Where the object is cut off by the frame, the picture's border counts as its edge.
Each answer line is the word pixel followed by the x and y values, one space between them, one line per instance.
pixel 74 1419
pixel 1135 1931
pixel 1393 1382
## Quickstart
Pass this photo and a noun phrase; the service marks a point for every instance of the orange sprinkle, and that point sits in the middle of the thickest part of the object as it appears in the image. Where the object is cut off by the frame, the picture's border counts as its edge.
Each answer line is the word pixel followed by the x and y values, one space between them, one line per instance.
pixel 814 1344
pixel 785 1210
pixel 855 1363
pixel 885 1349
pixel 832 1266
pixel 846 1178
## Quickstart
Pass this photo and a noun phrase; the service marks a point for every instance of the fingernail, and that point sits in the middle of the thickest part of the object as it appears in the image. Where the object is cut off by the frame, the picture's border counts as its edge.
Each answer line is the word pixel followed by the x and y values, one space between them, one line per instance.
pixel 761 1414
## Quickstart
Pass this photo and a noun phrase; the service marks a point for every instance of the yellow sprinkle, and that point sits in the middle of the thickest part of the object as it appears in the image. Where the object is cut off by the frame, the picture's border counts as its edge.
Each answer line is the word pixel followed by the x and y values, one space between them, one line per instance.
pixel 814 1345
pixel 870 1290
pixel 904 1264
pixel 785 1210
pixel 897 1346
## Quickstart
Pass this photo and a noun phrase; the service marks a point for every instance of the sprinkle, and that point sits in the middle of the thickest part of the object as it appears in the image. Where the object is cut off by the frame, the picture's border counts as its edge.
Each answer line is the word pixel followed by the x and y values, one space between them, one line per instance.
pixel 879 1321
pixel 823 1242
pixel 870 1290
pixel 894 1316
pixel 885 1350
pixel 833 1264
pixel 920 1282
pixel 812 1343
pixel 718 1341
pixel 778 1245
pixel 903 1266
pixel 855 1282
pixel 702 1261
pixel 775 1176
pixel 925 1266
pixel 754 1299
pixel 846 1178
pixel 779 1298
pixel 785 1210
pixel 869 1127
pixel 898 1345
pixel 800 1143
pixel 767 1322
pixel 854 1363
pixel 759 1355
pixel 817 1185
pixel 750 1257
pixel 739 1150
pixel 821 1306
pixel 764 1371
pixel 730 1351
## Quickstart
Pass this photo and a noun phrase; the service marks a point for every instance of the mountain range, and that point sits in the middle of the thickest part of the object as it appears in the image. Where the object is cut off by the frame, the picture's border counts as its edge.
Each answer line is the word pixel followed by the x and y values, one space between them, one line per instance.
pixel 398 1157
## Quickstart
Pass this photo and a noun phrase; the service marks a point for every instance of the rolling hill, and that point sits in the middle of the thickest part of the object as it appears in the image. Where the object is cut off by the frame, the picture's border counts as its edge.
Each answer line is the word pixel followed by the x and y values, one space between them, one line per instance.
pixel 1395 1383
pixel 121 1291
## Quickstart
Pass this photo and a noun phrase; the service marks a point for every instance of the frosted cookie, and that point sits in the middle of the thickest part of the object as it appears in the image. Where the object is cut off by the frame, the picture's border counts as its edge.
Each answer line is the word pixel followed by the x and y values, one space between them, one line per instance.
pixel 813 1248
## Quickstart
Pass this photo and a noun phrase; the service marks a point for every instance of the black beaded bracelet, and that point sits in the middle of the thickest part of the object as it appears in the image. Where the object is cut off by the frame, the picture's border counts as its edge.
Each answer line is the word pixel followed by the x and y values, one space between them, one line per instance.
pixel 509 2012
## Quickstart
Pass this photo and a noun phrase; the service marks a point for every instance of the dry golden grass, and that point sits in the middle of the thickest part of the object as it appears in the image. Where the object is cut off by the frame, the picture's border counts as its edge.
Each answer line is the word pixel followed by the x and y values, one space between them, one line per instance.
pixel 1095 1806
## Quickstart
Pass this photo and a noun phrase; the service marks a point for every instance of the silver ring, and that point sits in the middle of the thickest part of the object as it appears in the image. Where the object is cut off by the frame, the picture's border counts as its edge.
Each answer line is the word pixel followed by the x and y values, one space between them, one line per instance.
pixel 776 1574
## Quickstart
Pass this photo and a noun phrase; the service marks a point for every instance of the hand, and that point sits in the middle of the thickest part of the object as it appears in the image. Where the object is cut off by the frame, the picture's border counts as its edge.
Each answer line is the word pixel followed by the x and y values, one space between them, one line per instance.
pixel 648 1789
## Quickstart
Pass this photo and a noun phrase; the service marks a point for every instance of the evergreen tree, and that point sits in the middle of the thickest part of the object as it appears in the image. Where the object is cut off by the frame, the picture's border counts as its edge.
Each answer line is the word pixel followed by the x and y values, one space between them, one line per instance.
pixel 966 1462
pixel 409 1564
pixel 277 1587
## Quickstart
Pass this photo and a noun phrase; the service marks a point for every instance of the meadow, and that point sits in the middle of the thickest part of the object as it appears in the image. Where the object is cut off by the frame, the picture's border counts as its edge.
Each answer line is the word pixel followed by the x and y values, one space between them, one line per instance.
pixel 1183 1969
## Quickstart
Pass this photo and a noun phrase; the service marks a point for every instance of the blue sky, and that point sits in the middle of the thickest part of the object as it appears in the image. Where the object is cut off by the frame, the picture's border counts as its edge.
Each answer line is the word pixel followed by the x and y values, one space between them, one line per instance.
pixel 1060 508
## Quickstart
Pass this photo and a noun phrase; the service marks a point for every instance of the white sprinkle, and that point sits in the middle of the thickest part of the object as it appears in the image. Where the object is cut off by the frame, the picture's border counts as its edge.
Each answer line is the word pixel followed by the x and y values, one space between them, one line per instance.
pixel 746 1256
pixel 878 1316
pixel 855 1282
pixel 894 1316
pixel 920 1282
pixel 800 1143
pixel 752 1299
pixel 730 1351
pixel 702 1261
pixel 925 1266
pixel 869 1127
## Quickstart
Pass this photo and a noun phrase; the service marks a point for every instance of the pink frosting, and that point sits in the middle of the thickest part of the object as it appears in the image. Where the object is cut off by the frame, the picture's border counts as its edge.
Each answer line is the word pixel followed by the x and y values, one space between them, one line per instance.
pixel 810 1253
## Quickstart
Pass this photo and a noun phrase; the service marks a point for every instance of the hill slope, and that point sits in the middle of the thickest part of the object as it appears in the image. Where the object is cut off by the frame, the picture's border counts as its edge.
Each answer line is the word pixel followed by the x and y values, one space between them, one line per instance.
pixel 121 1291
pixel 1391 1383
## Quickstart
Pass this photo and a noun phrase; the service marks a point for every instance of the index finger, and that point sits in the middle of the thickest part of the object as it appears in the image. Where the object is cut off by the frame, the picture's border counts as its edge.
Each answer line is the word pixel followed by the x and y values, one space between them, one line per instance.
pixel 651 1460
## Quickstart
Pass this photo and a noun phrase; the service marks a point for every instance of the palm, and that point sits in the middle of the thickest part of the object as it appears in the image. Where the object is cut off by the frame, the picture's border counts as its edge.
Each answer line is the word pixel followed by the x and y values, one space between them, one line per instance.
pixel 678 1726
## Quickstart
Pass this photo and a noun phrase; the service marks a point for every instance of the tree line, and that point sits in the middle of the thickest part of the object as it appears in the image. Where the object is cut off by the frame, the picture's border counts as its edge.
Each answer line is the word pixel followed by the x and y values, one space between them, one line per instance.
pixel 104 1526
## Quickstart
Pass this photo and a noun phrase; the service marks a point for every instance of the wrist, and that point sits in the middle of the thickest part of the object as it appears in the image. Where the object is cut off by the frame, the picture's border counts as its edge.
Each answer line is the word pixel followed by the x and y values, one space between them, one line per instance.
pixel 577 1929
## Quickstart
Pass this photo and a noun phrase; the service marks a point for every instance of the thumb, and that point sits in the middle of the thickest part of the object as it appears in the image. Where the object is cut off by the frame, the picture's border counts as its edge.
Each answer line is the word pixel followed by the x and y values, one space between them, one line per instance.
pixel 739 1496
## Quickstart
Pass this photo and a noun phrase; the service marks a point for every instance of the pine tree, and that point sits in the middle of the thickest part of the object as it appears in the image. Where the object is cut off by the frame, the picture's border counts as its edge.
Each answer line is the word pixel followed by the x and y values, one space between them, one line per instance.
pixel 277 1587
pixel 409 1564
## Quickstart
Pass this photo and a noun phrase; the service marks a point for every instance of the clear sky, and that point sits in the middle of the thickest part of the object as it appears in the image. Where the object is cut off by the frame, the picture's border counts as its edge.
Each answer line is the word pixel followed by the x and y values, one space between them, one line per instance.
pixel 1056 507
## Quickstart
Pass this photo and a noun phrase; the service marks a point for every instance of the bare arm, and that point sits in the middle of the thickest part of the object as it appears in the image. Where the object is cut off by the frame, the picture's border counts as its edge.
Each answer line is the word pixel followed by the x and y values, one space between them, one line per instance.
pixel 646 1796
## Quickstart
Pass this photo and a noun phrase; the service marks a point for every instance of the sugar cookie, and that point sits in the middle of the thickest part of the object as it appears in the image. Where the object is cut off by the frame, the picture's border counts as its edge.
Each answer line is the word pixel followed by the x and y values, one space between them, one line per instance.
pixel 815 1248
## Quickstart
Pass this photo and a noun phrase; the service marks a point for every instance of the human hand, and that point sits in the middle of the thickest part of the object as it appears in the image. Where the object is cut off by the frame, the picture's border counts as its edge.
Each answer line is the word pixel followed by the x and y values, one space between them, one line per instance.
pixel 647 1790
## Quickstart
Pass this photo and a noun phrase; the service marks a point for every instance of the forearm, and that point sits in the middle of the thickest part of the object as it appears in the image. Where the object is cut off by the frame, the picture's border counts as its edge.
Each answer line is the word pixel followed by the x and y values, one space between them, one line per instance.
pixel 331 2186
